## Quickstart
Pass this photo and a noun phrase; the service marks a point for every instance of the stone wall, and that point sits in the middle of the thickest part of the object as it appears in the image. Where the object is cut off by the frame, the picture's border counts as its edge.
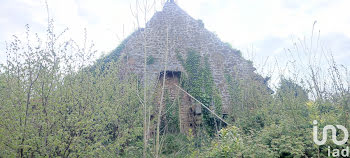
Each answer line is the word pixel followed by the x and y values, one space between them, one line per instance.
pixel 173 31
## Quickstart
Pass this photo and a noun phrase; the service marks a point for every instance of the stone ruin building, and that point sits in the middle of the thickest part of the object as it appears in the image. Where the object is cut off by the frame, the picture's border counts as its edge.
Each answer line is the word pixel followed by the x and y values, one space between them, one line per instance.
pixel 173 31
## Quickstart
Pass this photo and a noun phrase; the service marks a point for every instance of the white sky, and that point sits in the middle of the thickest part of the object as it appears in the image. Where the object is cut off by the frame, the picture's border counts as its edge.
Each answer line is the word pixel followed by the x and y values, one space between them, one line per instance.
pixel 265 28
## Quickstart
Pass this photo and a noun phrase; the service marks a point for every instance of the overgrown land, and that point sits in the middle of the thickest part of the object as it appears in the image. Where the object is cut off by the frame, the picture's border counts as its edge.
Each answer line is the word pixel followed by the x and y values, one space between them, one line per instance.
pixel 56 100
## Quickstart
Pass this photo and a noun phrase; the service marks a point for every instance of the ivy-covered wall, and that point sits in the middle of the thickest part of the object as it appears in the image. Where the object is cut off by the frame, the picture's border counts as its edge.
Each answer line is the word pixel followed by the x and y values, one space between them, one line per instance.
pixel 198 81
pixel 173 32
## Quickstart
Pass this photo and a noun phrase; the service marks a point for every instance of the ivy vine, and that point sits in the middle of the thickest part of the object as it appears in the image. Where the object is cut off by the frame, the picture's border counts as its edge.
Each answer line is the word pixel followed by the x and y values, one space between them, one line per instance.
pixel 198 81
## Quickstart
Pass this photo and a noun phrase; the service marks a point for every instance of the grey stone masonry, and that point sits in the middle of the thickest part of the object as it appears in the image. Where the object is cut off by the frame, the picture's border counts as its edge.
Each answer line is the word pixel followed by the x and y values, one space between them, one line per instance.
pixel 173 31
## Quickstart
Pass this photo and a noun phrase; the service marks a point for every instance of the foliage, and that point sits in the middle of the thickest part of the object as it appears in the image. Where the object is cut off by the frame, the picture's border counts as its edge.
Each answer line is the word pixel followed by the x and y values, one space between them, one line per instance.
pixel 150 60
pixel 55 101
pixel 228 144
pixel 198 81
pixel 172 114
pixel 52 106
pixel 173 143
pixel 282 126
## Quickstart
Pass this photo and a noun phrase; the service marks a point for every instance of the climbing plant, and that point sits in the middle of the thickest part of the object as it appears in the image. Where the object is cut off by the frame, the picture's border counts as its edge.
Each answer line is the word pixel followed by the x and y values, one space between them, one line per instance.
pixel 150 60
pixel 198 81
pixel 171 123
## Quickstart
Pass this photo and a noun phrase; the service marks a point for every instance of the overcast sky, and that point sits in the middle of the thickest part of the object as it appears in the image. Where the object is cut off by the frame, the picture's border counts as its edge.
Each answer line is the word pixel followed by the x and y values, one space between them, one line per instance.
pixel 262 28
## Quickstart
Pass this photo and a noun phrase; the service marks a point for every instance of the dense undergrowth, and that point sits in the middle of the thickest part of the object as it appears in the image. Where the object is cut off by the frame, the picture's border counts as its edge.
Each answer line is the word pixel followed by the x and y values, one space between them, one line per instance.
pixel 54 105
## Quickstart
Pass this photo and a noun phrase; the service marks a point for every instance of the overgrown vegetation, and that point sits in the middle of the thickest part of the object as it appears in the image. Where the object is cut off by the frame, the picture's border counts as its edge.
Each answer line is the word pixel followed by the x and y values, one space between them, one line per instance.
pixel 198 81
pixel 150 60
pixel 52 106
pixel 55 101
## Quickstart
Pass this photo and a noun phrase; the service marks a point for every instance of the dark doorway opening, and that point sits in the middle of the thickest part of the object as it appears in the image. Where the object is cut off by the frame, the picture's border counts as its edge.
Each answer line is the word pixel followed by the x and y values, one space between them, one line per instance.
pixel 170 74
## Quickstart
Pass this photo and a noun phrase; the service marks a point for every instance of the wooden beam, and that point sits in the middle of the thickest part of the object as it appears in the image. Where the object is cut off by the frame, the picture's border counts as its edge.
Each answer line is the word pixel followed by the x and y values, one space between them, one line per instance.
pixel 203 105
